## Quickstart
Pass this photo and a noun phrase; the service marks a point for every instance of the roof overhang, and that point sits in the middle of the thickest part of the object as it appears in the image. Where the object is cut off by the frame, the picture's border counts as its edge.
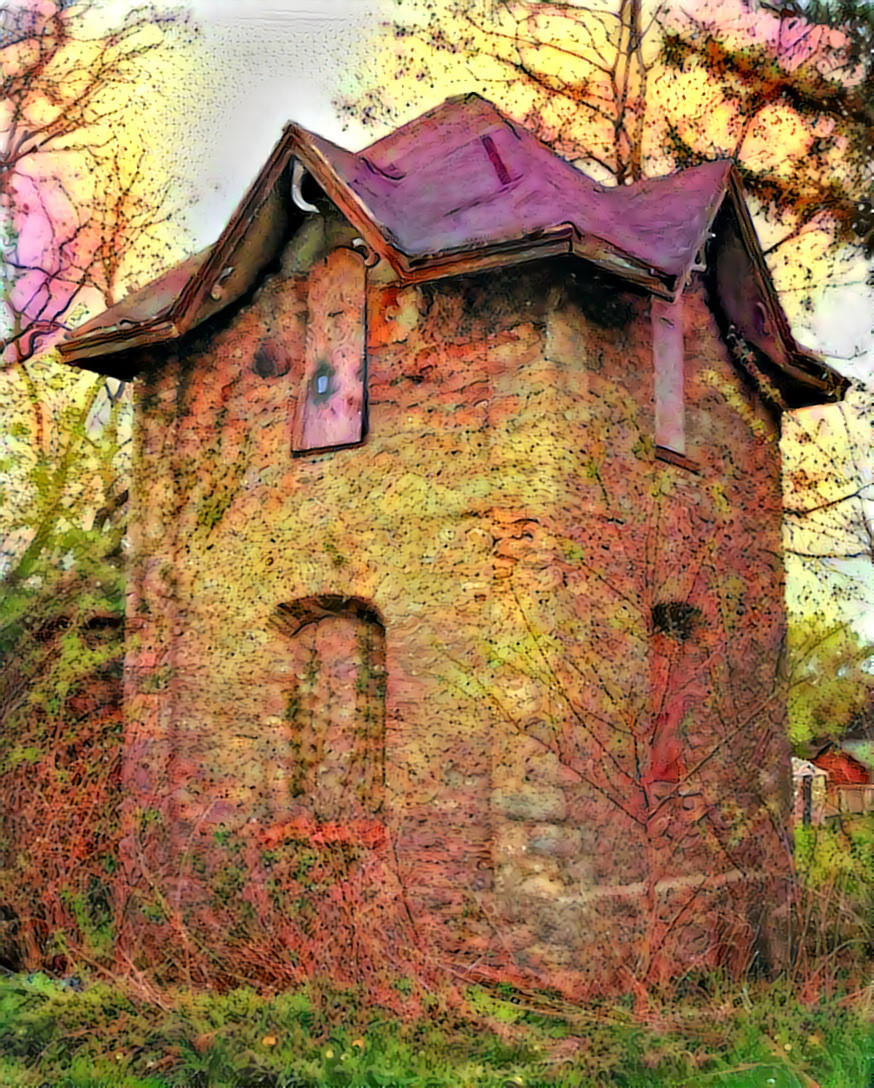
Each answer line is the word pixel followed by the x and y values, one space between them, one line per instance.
pixel 800 364
pixel 260 226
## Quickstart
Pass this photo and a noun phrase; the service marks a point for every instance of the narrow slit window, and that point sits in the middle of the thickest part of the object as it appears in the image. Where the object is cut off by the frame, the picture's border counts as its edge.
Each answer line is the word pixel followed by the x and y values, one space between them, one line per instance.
pixel 668 351
pixel 332 402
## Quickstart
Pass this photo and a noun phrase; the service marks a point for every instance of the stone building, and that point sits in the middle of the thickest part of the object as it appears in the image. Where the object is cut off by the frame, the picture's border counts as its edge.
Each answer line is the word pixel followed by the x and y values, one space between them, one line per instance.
pixel 456 542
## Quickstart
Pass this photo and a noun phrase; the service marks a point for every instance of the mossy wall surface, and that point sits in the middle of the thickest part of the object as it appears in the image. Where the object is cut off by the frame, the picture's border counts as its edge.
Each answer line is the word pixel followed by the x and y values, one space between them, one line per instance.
pixel 568 784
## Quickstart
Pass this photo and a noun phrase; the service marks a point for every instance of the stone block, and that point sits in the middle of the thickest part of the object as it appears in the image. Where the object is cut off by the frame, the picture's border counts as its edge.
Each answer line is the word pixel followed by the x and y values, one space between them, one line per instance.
pixel 539 803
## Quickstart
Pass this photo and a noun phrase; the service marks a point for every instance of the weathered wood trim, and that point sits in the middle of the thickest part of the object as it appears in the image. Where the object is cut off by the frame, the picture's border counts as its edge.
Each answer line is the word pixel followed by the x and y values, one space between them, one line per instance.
pixel 669 366
pixel 671 457
pixel 336 355
pixel 241 220
pixel 114 341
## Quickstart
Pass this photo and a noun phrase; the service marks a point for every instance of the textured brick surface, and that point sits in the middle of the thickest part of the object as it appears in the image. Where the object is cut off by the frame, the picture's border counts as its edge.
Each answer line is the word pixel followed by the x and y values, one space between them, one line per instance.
pixel 565 785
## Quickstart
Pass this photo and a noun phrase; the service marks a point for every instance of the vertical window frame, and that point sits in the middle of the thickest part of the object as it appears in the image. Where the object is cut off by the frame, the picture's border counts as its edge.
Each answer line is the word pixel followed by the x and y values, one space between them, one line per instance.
pixel 669 394
pixel 331 411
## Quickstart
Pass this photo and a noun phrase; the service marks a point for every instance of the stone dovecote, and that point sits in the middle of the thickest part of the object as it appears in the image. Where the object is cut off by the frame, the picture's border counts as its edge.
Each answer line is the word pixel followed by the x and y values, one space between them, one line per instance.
pixel 458 529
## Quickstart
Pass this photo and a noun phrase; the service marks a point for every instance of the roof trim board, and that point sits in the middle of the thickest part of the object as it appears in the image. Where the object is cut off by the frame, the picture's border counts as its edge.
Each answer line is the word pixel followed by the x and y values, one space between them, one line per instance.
pixel 710 184
pixel 207 276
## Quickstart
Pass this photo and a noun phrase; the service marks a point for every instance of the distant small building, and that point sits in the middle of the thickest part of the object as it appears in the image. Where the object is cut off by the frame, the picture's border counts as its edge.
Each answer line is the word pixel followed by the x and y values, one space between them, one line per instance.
pixel 456 544
pixel 850 785
pixel 809 790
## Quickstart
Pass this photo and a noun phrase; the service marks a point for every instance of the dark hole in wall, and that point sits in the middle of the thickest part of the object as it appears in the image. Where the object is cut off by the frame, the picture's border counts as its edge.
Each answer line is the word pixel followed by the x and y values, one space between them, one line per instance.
pixel 675 618
pixel 271 360
pixel 602 299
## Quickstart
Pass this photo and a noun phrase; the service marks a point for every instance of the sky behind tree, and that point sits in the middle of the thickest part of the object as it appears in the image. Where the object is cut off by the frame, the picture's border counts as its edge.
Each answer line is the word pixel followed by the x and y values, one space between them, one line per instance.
pixel 262 63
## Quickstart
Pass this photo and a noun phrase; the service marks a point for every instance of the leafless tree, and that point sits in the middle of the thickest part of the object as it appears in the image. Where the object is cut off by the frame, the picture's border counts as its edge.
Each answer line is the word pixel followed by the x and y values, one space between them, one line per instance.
pixel 829 511
pixel 76 194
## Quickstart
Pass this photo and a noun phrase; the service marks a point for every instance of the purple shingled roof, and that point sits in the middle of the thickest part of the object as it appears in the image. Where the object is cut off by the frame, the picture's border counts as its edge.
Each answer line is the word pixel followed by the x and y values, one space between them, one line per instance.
pixel 463 176
pixel 459 190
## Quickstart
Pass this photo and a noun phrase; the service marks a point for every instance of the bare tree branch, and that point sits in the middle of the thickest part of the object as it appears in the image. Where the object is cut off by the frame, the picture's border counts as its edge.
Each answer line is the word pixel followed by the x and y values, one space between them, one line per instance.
pixel 58 85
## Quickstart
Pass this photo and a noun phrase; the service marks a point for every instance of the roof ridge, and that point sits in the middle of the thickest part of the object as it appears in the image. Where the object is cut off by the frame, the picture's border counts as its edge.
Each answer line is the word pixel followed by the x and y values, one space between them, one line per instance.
pixel 401 195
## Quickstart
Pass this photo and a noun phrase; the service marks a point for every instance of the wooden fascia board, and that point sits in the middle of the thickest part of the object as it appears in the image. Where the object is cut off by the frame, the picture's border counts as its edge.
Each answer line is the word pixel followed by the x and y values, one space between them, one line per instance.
pixel 838 385
pixel 443 266
pixel 202 282
pixel 751 241
pixel 410 270
pixel 355 210
pixel 564 238
pixel 113 342
pixel 179 317
pixel 808 379
pixel 593 249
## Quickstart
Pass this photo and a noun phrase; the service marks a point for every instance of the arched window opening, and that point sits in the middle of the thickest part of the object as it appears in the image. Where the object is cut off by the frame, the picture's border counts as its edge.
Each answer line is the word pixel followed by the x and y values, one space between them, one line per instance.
pixel 336 710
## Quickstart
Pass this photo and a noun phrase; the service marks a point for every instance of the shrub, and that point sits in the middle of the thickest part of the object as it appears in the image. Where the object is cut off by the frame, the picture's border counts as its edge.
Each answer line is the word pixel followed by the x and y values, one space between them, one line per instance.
pixel 835 866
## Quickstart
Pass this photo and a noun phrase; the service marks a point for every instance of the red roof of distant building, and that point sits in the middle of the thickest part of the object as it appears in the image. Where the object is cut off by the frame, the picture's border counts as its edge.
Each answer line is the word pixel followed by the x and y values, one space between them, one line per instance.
pixel 843 769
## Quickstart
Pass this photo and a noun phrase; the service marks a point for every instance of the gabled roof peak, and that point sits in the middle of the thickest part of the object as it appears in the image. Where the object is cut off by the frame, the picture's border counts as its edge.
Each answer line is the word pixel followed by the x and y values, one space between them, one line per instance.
pixel 459 189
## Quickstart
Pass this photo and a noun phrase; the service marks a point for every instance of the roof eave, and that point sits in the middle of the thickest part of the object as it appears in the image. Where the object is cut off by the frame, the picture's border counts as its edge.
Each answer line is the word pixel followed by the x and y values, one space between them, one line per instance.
pixel 833 384
pixel 349 203
pixel 826 386
pixel 181 315
pixel 207 276
pixel 115 342
pixel 817 381
pixel 563 238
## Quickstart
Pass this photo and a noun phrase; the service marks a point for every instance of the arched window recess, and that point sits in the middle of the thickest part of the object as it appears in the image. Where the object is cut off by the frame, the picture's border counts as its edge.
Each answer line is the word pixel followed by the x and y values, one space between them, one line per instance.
pixel 336 720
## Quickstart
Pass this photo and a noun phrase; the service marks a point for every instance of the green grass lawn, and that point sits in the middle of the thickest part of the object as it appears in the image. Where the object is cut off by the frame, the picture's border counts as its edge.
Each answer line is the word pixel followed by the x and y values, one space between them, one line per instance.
pixel 55 1036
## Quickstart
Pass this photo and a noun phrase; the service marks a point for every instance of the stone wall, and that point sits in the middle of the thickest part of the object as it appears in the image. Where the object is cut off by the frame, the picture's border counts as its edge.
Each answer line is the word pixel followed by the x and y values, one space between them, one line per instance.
pixel 571 785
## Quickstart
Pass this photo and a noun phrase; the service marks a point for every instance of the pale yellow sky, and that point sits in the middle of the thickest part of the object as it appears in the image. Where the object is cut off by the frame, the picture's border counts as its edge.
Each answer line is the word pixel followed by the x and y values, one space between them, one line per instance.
pixel 265 62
